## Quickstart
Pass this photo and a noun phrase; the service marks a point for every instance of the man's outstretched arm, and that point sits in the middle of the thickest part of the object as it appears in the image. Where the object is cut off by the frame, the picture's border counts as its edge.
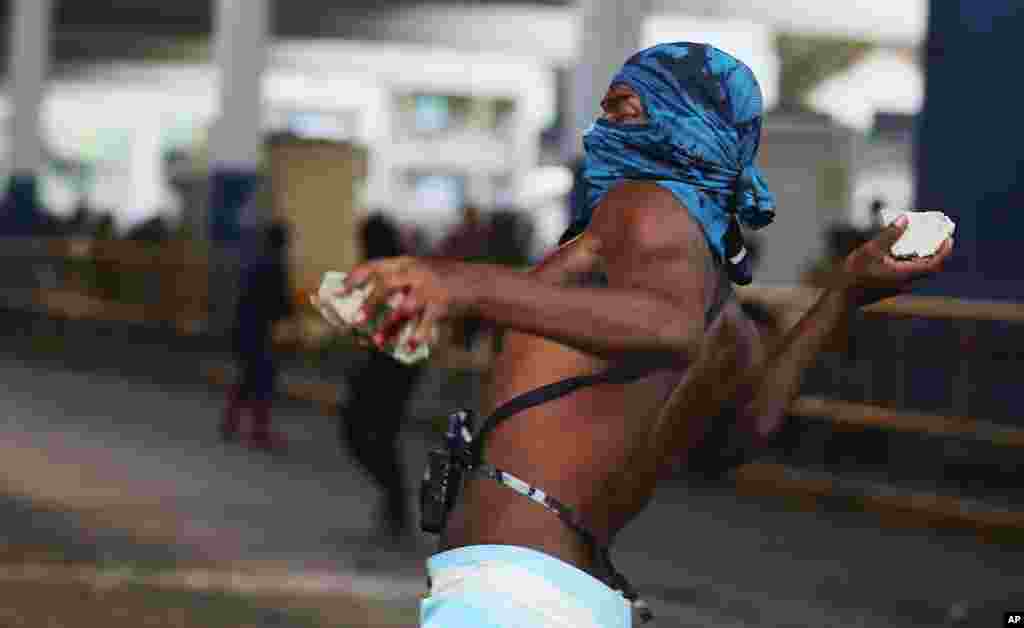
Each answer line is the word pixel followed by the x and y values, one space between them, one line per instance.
pixel 572 263
pixel 659 311
pixel 606 322
pixel 764 392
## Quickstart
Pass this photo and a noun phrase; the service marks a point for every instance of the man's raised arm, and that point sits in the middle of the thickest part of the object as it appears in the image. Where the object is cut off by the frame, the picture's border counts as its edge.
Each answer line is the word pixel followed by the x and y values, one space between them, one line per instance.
pixel 764 392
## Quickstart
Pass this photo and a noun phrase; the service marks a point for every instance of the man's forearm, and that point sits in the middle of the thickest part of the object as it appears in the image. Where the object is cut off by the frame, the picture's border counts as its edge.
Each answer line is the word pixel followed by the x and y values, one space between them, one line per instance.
pixel 777 382
pixel 603 321
pixel 719 380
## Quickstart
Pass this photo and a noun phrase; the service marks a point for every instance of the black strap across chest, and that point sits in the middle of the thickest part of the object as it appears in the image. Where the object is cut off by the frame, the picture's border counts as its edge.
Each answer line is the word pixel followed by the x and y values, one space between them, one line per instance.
pixel 621 373
pixel 618 374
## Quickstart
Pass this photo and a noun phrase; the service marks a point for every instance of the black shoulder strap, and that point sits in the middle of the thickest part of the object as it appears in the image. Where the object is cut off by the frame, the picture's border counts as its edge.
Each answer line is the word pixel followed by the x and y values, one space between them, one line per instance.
pixel 617 374
pixel 621 373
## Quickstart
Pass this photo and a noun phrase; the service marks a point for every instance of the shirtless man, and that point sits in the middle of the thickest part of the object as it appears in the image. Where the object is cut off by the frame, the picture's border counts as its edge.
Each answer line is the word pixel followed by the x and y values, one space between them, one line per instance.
pixel 639 292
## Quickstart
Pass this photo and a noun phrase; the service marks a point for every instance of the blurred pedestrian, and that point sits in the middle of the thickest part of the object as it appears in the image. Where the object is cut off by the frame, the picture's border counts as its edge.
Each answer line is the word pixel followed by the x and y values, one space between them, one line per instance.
pixel 469 241
pixel 264 299
pixel 414 240
pixel 511 234
pixel 370 422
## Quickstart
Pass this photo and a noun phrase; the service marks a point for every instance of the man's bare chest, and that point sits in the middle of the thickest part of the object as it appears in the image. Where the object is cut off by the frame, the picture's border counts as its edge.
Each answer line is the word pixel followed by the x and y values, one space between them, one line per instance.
pixel 594 421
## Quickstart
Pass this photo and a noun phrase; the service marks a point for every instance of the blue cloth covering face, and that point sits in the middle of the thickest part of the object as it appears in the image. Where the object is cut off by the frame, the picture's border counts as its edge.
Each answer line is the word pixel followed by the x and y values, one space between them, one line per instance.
pixel 704 111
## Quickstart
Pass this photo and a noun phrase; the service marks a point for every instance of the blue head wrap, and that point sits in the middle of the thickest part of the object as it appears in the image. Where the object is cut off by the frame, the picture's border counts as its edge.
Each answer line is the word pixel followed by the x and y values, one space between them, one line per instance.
pixel 700 142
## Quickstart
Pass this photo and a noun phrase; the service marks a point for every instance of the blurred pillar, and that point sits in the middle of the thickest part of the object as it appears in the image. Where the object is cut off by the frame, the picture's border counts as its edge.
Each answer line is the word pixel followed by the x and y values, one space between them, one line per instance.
pixel 610 32
pixel 238 135
pixel 969 162
pixel 969 165
pixel 28 60
pixel 236 149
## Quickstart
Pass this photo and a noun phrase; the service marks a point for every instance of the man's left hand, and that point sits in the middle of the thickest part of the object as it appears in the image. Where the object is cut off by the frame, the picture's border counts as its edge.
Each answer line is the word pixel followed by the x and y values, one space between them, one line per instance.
pixel 872 274
pixel 426 291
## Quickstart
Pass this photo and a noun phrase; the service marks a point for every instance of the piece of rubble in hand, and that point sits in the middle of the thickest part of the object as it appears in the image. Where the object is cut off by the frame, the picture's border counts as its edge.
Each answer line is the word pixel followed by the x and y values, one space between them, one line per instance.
pixel 924 235
pixel 344 308
pixel 343 311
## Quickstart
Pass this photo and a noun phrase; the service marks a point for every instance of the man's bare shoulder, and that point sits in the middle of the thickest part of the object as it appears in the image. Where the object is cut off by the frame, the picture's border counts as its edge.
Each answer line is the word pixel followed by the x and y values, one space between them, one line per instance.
pixel 640 218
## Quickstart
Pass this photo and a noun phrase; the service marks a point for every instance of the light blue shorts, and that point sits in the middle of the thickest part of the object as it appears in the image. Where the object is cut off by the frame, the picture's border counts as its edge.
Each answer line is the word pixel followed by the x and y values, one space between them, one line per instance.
pixel 506 586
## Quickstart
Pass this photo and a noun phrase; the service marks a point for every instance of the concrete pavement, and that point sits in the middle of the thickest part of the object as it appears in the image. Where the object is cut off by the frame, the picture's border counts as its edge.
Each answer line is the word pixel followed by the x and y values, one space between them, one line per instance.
pixel 134 448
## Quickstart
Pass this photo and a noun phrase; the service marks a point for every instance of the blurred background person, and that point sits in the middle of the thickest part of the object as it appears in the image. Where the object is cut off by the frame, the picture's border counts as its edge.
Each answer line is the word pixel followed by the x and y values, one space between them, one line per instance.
pixel 414 239
pixel 468 241
pixel 264 299
pixel 370 422
pixel 510 235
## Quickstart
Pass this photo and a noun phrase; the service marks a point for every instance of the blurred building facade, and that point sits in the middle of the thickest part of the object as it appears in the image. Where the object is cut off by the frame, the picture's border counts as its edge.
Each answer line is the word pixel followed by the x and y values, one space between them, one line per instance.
pixel 461 128
pixel 809 162
pixel 878 97
pixel 461 104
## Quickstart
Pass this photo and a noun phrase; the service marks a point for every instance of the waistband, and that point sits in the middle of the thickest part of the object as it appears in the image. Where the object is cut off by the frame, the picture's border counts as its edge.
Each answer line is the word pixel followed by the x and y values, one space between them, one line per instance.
pixel 568 579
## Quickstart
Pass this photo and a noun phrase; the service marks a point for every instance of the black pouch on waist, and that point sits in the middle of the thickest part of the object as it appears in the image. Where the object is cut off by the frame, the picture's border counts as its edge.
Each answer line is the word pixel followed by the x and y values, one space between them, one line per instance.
pixel 443 476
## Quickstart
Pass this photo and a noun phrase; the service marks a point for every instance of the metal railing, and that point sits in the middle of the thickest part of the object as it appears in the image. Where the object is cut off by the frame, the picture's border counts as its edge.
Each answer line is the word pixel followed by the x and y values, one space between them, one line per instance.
pixel 118 280
pixel 891 341
pixel 190 287
pixel 186 286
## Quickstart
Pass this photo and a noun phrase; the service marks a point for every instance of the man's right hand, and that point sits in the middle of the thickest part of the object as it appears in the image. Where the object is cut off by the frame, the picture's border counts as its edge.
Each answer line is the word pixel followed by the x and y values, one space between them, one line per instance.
pixel 870 273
